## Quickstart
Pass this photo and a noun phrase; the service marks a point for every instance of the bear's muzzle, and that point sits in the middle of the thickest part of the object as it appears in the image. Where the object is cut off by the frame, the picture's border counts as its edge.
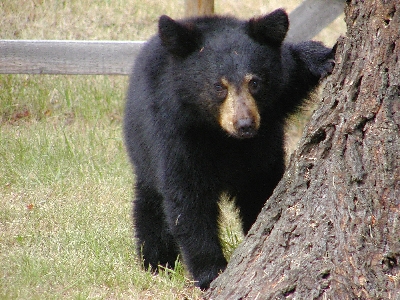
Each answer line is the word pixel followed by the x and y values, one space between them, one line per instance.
pixel 238 114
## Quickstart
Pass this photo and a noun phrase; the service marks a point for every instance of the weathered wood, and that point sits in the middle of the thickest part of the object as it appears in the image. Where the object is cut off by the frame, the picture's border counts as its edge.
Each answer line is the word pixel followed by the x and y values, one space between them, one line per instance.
pixel 311 16
pixel 67 57
pixel 331 230
pixel 199 7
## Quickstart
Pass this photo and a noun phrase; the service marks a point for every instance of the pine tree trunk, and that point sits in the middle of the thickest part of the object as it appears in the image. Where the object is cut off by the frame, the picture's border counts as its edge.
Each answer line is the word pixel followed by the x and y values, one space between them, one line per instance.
pixel 331 230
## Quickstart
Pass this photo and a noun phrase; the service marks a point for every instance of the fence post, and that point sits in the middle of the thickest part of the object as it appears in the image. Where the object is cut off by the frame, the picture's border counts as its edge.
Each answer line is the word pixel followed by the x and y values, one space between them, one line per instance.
pixel 199 7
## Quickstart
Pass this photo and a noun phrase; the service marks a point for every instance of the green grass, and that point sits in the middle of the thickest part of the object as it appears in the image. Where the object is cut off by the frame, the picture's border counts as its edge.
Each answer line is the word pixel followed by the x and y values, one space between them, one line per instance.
pixel 66 189
pixel 65 181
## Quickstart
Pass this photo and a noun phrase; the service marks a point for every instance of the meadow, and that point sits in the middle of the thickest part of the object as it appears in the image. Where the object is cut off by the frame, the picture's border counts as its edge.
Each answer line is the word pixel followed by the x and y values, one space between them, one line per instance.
pixel 65 180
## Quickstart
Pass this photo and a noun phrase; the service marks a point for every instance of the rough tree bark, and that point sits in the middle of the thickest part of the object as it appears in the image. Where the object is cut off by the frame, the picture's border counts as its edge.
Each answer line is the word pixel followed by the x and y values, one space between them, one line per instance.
pixel 331 230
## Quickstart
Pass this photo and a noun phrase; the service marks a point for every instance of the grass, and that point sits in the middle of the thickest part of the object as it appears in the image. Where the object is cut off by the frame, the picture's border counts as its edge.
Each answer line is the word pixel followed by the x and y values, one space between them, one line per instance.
pixel 66 196
pixel 65 181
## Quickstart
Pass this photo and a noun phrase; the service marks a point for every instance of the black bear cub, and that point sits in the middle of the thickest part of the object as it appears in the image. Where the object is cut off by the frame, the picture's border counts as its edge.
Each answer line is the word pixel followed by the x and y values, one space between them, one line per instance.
pixel 204 116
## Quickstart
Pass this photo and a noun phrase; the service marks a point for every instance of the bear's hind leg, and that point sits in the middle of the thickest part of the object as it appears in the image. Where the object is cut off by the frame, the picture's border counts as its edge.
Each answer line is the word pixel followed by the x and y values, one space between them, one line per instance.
pixel 155 243
pixel 252 199
pixel 249 207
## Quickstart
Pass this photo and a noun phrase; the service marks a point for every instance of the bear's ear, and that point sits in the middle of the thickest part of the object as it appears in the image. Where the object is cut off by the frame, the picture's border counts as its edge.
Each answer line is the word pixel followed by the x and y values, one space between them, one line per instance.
pixel 269 29
pixel 178 38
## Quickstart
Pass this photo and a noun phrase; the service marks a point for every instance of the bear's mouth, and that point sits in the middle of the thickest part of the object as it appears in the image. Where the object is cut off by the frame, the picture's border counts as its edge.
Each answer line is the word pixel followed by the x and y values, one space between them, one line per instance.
pixel 245 128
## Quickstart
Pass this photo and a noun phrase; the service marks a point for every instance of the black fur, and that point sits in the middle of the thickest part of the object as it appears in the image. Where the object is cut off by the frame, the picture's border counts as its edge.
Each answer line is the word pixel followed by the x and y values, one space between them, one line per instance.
pixel 183 159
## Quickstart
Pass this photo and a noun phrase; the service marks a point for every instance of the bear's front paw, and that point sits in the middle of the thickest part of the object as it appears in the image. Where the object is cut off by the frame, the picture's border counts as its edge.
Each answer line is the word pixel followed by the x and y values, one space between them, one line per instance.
pixel 318 59
pixel 326 68
pixel 329 63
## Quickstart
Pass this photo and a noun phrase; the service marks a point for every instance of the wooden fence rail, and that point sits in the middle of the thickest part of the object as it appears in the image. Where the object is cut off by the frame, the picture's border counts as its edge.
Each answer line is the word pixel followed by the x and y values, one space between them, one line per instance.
pixel 116 57
pixel 67 57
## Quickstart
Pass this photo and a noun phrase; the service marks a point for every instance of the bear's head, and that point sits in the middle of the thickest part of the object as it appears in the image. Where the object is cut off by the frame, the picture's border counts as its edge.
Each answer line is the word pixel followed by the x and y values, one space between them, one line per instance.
pixel 226 72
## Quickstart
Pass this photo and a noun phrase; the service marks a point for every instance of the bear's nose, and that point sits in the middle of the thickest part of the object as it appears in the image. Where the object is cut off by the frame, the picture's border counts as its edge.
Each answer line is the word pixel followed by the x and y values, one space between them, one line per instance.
pixel 245 128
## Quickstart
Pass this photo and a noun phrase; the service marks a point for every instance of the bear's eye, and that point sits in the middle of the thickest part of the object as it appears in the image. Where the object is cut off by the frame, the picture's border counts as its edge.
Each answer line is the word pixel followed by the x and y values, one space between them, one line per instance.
pixel 254 85
pixel 220 90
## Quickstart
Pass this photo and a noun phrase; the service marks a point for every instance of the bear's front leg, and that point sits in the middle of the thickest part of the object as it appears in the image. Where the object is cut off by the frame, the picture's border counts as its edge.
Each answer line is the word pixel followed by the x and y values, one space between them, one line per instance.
pixel 155 243
pixel 193 220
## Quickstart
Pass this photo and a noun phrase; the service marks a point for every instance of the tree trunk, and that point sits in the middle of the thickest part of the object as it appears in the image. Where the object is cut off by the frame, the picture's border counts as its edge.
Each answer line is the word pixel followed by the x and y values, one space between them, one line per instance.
pixel 331 230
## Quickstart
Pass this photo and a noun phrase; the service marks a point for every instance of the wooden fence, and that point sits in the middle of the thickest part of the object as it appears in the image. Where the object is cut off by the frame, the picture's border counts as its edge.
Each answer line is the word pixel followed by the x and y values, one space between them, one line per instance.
pixel 116 58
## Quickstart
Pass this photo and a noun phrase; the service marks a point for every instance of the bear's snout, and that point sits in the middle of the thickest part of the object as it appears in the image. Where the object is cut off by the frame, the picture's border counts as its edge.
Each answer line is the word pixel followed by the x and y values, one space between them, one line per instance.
pixel 246 128
pixel 239 115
